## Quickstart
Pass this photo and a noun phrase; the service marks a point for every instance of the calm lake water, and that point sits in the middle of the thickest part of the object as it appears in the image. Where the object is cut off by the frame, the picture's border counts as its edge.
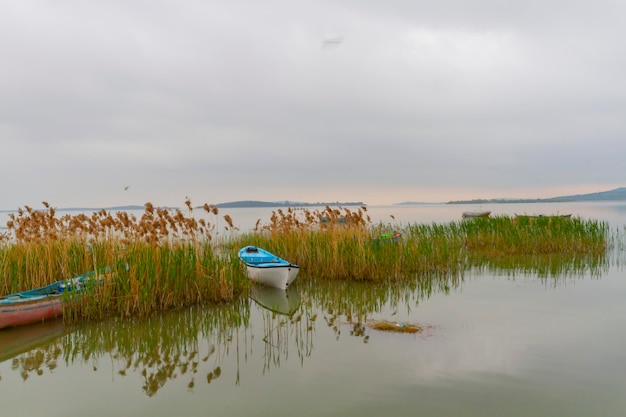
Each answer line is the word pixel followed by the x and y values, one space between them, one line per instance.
pixel 497 342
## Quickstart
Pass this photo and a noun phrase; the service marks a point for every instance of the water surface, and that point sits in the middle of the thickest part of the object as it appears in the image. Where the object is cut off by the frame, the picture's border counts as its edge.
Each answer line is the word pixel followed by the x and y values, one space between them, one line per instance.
pixel 497 341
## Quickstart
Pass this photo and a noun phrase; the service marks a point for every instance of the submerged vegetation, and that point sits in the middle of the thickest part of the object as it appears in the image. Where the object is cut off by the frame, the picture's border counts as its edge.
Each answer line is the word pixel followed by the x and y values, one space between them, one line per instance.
pixel 168 258
pixel 397 327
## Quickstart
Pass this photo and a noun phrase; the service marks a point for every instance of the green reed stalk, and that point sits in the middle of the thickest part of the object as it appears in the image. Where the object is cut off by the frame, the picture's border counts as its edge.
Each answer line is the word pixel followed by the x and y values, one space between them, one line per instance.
pixel 354 253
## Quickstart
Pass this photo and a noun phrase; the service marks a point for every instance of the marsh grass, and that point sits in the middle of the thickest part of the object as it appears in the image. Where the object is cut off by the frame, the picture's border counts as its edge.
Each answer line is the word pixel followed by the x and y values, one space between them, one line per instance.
pixel 164 259
pixel 167 259
pixel 352 251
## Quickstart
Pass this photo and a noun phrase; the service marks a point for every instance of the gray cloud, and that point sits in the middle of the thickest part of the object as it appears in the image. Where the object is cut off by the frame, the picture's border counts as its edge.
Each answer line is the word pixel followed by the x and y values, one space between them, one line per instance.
pixel 419 101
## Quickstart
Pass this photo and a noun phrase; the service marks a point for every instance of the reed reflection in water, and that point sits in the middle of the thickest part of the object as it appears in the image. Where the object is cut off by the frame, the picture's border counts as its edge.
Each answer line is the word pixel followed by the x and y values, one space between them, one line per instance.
pixel 194 342
pixel 31 349
pixel 161 348
pixel 226 353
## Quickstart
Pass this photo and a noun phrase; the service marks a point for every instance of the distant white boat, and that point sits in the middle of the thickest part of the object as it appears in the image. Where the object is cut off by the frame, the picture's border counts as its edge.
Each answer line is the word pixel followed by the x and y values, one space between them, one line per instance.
pixel 268 269
pixel 543 216
pixel 474 214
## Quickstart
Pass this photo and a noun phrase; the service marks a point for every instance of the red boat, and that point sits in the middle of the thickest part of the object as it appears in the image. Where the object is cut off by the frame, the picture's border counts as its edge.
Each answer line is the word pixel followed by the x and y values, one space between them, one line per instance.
pixel 24 308
pixel 43 303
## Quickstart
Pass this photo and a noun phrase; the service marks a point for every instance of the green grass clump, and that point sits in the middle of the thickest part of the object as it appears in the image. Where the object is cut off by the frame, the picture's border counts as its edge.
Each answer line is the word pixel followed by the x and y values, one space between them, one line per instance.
pixel 353 250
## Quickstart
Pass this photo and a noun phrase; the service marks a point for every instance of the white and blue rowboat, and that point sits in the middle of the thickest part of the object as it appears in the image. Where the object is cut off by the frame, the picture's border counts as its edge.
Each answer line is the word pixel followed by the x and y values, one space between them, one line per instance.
pixel 268 269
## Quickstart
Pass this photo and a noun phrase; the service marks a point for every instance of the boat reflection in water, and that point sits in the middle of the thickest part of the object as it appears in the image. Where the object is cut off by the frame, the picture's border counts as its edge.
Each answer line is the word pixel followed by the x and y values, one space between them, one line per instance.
pixel 194 347
pixel 32 348
pixel 285 302
pixel 22 339
pixel 285 326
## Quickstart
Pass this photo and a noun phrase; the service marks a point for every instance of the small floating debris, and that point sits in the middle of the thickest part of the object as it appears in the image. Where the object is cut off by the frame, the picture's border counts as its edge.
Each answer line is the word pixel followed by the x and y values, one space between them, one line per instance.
pixel 394 326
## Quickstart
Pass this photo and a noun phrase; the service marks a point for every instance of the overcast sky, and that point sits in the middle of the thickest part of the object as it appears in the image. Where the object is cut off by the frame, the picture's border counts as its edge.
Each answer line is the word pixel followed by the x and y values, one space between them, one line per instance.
pixel 319 100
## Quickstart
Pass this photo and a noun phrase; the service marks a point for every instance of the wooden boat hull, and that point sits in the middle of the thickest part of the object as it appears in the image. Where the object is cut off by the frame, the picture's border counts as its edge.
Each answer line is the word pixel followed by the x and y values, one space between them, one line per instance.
pixel 31 311
pixel 543 216
pixel 268 269
pixel 43 303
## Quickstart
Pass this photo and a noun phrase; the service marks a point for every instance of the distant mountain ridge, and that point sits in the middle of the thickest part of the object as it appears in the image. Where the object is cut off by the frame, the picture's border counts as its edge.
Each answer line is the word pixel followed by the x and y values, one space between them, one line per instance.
pixel 617 194
pixel 254 203
pixel 232 204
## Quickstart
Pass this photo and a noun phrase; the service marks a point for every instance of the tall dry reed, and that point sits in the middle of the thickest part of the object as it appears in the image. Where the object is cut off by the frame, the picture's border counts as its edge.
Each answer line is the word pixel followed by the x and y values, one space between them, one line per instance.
pixel 164 259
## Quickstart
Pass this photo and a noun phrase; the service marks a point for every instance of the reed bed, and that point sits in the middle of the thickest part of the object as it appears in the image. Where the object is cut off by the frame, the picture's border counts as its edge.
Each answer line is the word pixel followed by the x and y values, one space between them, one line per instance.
pixel 352 249
pixel 167 258
pixel 162 260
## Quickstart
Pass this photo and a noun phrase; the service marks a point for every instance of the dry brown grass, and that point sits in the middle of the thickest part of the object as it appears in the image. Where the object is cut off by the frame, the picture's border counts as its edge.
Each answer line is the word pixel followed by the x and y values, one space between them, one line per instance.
pixel 292 219
pixel 155 226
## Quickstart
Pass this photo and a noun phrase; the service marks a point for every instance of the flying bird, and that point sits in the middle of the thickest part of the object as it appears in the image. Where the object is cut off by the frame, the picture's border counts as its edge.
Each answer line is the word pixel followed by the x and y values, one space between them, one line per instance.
pixel 333 41
pixel 126 188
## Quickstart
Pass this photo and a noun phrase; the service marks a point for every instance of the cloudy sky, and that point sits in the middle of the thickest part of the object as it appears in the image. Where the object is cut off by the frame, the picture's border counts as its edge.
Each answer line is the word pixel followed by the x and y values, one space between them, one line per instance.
pixel 381 102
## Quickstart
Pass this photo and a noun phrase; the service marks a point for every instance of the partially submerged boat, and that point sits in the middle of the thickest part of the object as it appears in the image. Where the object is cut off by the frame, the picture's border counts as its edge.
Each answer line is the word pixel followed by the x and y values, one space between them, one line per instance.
pixel 268 269
pixel 42 303
pixel 543 216
pixel 475 214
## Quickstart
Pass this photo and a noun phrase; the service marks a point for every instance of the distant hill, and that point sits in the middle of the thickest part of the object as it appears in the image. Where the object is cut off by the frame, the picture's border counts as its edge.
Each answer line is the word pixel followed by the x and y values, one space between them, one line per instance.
pixel 232 204
pixel 617 194
pixel 253 203
pixel 611 195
